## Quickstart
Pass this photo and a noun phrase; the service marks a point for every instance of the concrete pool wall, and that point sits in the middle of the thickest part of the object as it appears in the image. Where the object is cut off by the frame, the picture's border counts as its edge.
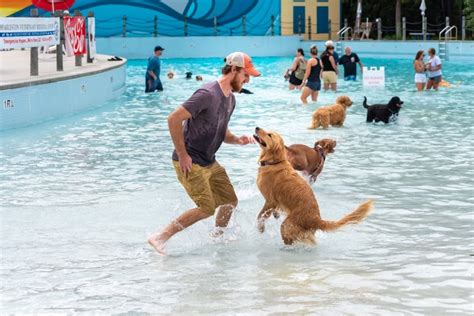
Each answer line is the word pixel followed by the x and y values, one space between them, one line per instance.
pixel 266 46
pixel 28 100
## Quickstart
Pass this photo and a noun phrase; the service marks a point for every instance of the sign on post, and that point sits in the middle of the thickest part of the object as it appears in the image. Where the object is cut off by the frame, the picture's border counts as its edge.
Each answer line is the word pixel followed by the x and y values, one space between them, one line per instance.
pixel 75 35
pixel 373 77
pixel 28 32
pixel 91 28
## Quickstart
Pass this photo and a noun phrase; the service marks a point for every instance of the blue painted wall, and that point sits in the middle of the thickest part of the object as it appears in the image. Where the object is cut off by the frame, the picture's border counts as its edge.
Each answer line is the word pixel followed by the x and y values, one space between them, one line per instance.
pixel 197 47
pixel 172 13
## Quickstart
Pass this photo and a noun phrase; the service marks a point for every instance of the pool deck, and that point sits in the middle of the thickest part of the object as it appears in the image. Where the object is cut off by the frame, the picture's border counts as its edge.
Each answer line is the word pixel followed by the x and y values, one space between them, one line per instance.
pixel 15 68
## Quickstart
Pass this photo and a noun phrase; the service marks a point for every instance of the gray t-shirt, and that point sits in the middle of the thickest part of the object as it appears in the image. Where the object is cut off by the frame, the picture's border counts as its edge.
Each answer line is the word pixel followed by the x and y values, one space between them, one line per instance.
pixel 205 131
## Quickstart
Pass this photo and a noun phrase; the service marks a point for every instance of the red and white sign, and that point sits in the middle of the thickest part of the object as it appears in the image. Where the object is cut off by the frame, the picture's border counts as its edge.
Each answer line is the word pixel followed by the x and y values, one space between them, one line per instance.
pixel 373 77
pixel 75 35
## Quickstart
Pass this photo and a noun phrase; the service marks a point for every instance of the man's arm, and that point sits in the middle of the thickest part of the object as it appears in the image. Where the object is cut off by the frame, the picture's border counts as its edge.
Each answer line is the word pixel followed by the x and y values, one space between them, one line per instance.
pixel 361 66
pixel 152 74
pixel 175 125
pixel 150 68
pixel 232 139
pixel 341 60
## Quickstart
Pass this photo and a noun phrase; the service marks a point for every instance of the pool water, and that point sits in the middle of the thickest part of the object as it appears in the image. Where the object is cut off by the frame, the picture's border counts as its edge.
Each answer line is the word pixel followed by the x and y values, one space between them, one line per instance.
pixel 81 194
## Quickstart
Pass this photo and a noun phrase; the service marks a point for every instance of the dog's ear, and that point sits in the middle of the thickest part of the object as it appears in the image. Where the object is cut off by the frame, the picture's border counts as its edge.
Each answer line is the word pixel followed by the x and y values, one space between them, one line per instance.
pixel 317 144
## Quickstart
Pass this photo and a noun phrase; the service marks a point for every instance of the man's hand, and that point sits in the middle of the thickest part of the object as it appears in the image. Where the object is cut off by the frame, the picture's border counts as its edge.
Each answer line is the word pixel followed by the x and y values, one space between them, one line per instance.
pixel 186 163
pixel 244 140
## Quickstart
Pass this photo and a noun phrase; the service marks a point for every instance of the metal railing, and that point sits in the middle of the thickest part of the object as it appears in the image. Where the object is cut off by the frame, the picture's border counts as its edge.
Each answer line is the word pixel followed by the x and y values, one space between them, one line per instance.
pixel 342 33
pixel 448 30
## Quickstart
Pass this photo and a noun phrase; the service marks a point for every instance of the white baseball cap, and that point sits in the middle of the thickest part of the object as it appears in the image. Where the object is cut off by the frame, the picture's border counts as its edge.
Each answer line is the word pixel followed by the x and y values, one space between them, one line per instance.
pixel 329 43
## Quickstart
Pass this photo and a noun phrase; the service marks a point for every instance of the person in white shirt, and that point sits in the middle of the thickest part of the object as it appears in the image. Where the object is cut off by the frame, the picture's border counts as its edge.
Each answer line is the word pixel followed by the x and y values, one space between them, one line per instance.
pixel 434 70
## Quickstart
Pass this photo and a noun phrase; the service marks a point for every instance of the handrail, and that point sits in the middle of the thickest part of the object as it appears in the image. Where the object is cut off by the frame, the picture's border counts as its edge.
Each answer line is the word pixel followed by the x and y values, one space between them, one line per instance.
pixel 343 31
pixel 447 30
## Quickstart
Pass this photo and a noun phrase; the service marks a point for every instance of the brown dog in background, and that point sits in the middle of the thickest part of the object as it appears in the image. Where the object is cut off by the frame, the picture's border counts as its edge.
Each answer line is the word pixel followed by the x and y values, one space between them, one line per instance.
pixel 331 115
pixel 283 189
pixel 310 160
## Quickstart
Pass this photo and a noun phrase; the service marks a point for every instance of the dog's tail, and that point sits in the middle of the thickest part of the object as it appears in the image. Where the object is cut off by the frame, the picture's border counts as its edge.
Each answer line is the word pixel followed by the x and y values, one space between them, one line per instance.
pixel 353 218
pixel 365 103
pixel 315 121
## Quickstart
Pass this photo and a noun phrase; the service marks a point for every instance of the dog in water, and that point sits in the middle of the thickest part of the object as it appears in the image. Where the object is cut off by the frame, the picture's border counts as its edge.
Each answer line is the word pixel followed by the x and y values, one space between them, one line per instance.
pixel 310 160
pixel 383 112
pixel 334 115
pixel 284 190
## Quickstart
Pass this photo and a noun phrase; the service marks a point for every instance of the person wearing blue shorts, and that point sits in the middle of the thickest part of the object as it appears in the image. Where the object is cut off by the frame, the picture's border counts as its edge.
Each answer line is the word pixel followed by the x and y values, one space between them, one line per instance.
pixel 349 61
pixel 312 77
pixel 434 70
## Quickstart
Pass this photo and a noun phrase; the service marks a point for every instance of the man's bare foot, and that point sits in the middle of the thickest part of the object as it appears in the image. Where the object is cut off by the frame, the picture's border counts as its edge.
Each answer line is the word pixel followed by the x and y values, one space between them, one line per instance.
pixel 217 232
pixel 158 244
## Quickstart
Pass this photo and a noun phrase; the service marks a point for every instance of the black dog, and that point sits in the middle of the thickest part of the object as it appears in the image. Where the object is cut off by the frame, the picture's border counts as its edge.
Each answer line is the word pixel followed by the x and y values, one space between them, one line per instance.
pixel 383 112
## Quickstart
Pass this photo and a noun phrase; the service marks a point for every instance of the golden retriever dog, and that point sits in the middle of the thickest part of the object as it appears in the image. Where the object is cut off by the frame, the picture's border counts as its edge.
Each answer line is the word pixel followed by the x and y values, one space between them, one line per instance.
pixel 284 190
pixel 310 160
pixel 331 115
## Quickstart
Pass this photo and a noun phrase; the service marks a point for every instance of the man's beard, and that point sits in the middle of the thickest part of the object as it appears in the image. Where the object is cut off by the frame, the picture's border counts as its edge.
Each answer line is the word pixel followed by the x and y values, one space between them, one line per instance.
pixel 236 85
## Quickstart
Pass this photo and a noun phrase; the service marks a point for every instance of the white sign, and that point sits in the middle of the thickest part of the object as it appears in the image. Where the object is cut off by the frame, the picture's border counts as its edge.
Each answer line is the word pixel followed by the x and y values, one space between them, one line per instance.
pixel 373 77
pixel 28 32
pixel 91 36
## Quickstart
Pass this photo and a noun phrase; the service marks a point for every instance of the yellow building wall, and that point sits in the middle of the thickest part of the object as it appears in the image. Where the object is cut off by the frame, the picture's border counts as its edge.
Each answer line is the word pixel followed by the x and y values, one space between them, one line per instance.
pixel 310 11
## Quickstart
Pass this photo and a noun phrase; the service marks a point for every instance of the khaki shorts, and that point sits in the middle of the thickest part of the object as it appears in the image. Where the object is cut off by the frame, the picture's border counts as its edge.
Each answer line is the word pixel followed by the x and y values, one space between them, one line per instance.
pixel 209 187
pixel 329 77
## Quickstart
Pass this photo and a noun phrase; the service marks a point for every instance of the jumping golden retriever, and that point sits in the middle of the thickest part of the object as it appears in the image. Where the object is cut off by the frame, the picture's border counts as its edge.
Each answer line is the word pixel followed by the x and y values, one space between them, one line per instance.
pixel 334 115
pixel 310 160
pixel 284 190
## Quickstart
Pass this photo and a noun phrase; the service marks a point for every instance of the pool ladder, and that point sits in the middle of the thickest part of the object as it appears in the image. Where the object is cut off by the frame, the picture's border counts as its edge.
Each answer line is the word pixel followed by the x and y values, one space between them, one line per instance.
pixel 448 33
pixel 442 51
pixel 339 48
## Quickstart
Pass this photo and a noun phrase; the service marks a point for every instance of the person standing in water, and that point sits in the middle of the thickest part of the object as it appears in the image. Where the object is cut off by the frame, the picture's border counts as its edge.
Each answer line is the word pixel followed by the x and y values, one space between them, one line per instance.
pixel 206 115
pixel 312 77
pixel 152 76
pixel 434 70
pixel 420 76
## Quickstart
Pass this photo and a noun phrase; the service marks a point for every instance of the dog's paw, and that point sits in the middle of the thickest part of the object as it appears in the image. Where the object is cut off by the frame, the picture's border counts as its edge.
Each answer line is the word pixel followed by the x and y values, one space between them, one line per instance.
pixel 261 226
pixel 276 215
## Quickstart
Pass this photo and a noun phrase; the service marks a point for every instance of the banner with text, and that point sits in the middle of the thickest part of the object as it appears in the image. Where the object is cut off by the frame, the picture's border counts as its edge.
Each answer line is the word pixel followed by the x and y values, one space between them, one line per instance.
pixel 91 34
pixel 28 32
pixel 373 77
pixel 75 35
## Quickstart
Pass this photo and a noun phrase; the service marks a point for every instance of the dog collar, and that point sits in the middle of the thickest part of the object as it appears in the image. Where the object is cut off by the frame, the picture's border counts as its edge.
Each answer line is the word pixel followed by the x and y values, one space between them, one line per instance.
pixel 321 164
pixel 269 163
pixel 321 152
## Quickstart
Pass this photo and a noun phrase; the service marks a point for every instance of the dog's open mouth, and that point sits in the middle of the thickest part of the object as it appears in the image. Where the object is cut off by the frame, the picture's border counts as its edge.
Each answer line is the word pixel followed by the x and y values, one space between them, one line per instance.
pixel 259 140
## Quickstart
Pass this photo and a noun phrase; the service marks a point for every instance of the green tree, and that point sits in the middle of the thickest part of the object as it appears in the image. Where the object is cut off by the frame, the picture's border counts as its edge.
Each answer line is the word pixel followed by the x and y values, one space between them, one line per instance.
pixel 398 16
pixel 469 14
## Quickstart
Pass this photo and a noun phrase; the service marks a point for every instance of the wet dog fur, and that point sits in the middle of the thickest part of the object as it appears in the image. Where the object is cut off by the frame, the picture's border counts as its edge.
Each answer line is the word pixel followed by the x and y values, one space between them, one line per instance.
pixel 284 190
pixel 334 115
pixel 310 160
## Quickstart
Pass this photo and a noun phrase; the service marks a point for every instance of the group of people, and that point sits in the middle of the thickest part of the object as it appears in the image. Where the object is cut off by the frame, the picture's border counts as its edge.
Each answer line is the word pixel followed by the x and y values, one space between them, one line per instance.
pixel 306 75
pixel 152 77
pixel 427 73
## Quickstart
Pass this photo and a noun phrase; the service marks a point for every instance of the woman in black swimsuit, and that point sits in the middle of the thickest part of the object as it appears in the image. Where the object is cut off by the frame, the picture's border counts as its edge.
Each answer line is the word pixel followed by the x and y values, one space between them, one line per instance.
pixel 312 77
